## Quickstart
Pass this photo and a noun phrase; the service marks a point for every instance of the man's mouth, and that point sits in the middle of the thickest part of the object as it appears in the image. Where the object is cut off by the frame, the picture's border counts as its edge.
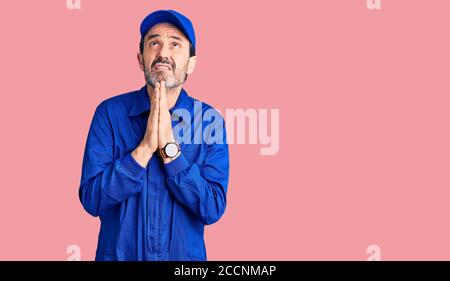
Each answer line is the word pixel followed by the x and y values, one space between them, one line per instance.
pixel 162 66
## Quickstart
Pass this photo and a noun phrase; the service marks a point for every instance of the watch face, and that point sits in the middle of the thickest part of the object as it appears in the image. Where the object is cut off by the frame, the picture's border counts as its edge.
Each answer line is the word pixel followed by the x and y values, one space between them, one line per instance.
pixel 171 150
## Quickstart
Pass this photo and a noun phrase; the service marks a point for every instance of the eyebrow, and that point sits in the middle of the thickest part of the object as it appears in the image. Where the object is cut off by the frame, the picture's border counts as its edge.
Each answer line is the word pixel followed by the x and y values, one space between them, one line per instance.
pixel 158 35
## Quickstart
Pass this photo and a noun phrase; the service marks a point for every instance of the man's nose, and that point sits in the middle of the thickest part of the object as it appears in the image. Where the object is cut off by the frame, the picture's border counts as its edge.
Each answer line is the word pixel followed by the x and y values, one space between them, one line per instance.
pixel 164 52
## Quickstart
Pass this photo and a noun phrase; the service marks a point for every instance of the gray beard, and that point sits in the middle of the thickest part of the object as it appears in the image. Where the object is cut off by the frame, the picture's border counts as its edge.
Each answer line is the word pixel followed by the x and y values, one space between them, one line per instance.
pixel 152 78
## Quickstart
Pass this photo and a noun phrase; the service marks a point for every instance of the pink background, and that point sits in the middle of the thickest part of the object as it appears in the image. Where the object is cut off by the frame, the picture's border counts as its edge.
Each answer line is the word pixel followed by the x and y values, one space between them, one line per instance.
pixel 364 114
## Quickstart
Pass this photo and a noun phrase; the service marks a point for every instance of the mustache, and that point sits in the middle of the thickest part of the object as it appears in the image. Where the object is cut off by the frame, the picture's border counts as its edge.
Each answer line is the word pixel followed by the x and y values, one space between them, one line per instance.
pixel 165 61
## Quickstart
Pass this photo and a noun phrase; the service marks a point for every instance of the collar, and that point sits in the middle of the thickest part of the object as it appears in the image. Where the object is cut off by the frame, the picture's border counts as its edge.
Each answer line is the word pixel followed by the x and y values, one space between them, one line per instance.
pixel 142 102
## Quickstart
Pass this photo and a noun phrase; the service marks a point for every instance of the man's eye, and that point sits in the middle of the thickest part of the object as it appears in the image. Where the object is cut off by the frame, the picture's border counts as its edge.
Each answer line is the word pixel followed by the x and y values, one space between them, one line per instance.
pixel 154 43
pixel 175 44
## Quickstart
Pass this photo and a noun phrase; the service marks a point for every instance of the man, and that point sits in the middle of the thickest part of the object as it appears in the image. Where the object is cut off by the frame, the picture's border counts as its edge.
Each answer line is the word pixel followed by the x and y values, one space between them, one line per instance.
pixel 155 189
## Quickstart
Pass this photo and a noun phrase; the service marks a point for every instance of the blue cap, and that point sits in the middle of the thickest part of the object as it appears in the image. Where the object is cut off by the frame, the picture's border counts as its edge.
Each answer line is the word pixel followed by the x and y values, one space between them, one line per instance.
pixel 172 17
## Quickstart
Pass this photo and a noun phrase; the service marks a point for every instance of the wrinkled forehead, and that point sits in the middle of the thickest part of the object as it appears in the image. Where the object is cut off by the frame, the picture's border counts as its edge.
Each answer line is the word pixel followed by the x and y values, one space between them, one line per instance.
pixel 165 29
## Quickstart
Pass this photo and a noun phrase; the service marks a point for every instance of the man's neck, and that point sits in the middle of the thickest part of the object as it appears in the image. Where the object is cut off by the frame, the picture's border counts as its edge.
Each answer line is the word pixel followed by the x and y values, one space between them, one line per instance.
pixel 172 94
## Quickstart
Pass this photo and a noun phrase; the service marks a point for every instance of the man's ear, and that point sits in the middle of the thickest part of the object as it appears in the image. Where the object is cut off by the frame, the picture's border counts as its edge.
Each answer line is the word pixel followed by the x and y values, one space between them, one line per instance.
pixel 191 64
pixel 140 60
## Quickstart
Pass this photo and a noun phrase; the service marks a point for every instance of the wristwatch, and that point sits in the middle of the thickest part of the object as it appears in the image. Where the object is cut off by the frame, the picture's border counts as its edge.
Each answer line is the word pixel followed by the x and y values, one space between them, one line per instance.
pixel 170 150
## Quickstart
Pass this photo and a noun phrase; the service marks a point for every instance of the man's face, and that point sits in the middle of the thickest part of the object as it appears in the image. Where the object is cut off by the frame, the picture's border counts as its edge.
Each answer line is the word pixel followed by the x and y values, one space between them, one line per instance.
pixel 165 56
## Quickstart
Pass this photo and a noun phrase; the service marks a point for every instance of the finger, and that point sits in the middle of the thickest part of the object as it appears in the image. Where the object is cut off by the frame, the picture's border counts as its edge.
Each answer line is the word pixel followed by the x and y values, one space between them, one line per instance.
pixel 157 88
pixel 162 102
pixel 154 108
pixel 156 97
pixel 163 99
pixel 155 115
pixel 157 92
pixel 162 88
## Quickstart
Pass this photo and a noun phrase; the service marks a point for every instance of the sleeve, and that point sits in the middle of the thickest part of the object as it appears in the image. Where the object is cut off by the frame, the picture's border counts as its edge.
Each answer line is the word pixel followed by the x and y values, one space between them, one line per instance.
pixel 106 181
pixel 201 187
